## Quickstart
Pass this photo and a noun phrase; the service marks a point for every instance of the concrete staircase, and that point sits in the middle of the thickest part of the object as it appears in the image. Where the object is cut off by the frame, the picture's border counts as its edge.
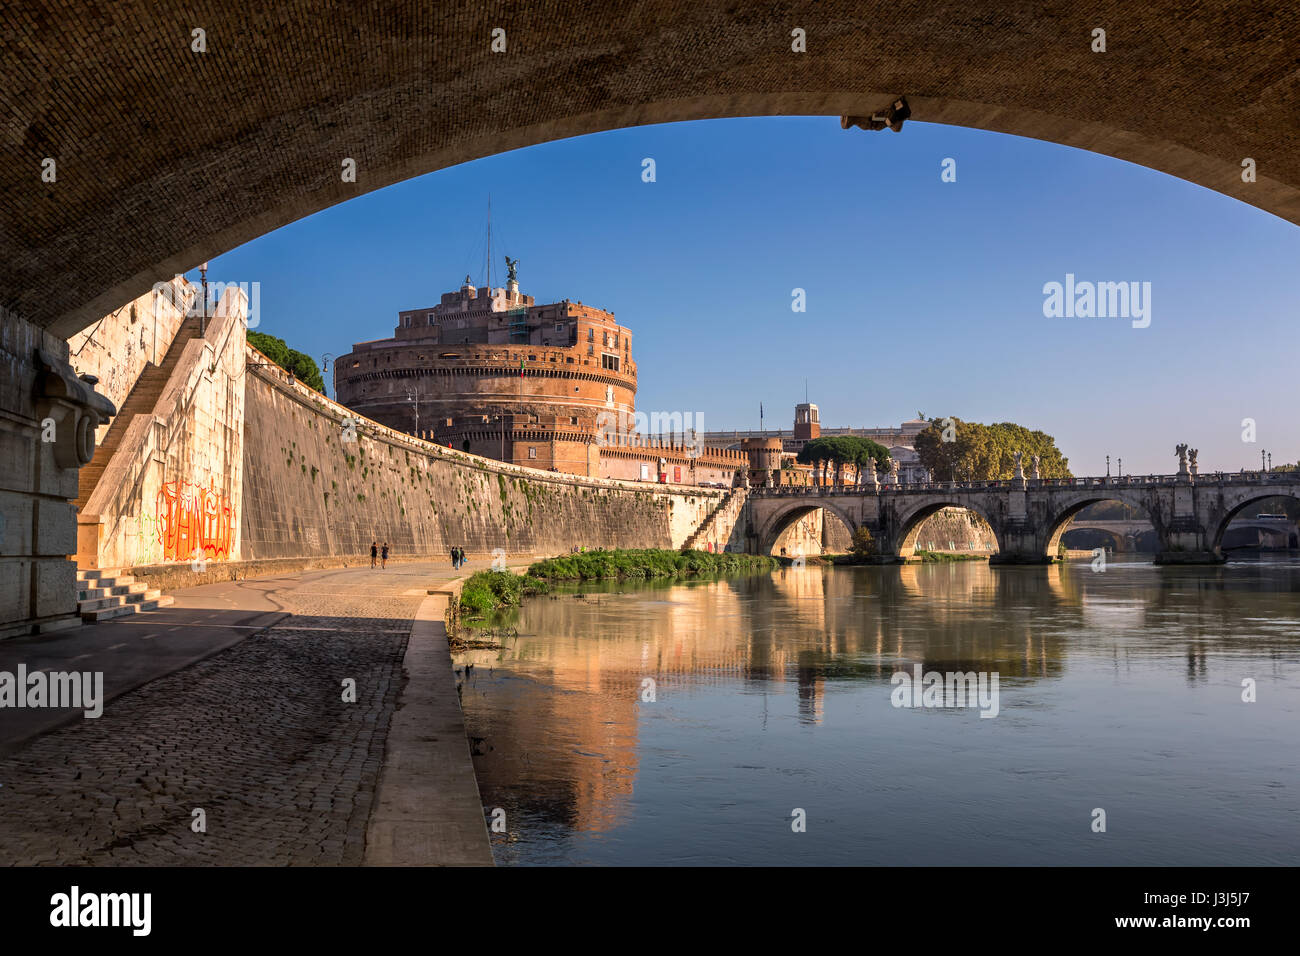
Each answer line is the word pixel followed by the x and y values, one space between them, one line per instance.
pixel 104 594
pixel 141 401
pixel 720 522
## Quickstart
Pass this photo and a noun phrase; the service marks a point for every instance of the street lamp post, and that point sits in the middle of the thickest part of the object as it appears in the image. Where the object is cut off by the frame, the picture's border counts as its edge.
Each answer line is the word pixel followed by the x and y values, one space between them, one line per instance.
pixel 1120 465
pixel 1108 466
pixel 414 398
pixel 325 367
pixel 203 319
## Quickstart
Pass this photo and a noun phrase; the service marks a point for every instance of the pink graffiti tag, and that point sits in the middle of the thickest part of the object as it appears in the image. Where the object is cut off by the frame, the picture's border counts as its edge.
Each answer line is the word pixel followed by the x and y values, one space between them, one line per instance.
pixel 192 522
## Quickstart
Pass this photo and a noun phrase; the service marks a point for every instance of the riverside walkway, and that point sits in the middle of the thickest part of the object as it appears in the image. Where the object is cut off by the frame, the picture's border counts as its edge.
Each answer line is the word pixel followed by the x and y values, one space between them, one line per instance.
pixel 232 702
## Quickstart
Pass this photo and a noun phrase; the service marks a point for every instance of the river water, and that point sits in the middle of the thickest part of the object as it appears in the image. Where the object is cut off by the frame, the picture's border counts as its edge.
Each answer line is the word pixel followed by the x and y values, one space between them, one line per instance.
pixel 753 719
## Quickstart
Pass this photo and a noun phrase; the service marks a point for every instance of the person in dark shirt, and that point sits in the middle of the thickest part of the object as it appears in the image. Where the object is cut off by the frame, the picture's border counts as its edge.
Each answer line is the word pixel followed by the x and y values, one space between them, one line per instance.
pixel 383 556
pixel 374 552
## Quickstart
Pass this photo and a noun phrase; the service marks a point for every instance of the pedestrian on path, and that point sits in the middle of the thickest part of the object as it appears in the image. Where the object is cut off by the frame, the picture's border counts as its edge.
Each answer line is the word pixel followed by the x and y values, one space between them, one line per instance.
pixel 384 557
pixel 452 552
pixel 374 552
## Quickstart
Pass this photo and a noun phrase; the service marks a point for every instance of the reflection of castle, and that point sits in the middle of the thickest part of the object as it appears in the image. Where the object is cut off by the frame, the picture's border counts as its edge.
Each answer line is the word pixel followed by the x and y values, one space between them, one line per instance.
pixel 778 449
pixel 563 721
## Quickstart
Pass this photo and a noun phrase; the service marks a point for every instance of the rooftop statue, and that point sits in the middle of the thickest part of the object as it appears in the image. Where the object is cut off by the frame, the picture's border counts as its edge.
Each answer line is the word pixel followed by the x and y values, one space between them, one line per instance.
pixel 512 266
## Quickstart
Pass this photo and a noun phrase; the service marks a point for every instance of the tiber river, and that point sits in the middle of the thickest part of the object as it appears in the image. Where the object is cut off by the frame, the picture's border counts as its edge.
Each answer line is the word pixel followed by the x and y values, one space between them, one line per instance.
pixel 773 736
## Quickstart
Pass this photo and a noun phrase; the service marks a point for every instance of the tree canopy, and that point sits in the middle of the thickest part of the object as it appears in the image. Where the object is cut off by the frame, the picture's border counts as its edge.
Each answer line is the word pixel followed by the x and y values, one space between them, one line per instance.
pixel 986 452
pixel 844 450
pixel 302 366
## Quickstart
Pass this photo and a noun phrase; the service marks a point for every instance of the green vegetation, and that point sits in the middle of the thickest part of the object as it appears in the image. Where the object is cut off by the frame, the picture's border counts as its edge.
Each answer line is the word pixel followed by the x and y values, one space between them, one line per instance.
pixel 648 563
pixel 978 452
pixel 844 451
pixel 943 557
pixel 489 591
pixel 302 366
pixel 863 546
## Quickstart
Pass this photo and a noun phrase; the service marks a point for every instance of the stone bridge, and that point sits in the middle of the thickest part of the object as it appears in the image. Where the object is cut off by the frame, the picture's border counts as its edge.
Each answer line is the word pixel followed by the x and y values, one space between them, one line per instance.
pixel 1136 535
pixel 1189 512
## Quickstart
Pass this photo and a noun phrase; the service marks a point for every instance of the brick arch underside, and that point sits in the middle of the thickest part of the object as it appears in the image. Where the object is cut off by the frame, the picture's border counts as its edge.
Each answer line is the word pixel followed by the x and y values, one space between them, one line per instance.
pixel 169 157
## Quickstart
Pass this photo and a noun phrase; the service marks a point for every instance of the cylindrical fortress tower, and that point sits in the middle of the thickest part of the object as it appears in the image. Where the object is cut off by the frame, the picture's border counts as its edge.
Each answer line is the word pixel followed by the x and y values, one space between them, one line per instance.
pixel 490 372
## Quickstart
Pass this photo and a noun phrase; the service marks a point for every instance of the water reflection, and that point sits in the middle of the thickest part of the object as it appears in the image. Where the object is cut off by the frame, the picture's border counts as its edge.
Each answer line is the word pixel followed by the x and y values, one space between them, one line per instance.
pixel 680 723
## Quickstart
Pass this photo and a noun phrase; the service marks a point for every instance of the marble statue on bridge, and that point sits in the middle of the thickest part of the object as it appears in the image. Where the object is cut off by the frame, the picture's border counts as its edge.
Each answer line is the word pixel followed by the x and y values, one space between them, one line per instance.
pixel 1181 452
pixel 1037 459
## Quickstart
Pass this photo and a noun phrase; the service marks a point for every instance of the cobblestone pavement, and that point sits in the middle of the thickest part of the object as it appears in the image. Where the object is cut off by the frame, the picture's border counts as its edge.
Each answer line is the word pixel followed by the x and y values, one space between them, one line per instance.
pixel 258 737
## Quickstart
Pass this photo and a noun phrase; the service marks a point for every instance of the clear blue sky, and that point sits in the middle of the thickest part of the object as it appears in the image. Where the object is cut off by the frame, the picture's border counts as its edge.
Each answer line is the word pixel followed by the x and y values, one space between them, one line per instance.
pixel 921 295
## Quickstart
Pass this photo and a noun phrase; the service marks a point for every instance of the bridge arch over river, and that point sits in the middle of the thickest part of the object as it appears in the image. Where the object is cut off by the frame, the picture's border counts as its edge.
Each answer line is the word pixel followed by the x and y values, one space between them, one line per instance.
pixel 131 154
pixel 1189 513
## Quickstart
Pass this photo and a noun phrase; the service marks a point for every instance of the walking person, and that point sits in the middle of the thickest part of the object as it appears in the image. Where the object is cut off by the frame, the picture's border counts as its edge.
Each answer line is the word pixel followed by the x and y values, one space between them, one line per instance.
pixel 374 552
pixel 383 557
pixel 452 552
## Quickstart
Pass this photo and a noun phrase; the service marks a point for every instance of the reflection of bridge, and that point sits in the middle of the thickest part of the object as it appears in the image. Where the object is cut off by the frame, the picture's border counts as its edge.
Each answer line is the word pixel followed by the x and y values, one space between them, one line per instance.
pixel 1189 513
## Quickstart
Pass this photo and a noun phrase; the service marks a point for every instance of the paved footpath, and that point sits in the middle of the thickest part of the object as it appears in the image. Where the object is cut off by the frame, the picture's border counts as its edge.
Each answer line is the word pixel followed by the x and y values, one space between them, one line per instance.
pixel 230 702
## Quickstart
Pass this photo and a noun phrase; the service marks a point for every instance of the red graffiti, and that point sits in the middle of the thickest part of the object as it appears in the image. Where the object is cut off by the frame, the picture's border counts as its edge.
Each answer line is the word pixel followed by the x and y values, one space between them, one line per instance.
pixel 193 523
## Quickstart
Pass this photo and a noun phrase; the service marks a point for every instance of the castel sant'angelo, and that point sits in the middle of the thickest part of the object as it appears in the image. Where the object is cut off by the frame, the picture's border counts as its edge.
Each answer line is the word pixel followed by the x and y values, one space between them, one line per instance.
pixel 550 386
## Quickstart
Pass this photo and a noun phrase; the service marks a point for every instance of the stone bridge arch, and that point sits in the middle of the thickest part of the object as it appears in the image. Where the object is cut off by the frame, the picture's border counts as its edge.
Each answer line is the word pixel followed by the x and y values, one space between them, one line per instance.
pixel 900 528
pixel 1238 502
pixel 1061 511
pixel 779 520
pixel 168 157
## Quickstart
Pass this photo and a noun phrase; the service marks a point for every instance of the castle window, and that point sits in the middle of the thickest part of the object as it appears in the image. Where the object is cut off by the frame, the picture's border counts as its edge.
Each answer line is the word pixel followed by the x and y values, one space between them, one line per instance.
pixel 532 452
pixel 591 336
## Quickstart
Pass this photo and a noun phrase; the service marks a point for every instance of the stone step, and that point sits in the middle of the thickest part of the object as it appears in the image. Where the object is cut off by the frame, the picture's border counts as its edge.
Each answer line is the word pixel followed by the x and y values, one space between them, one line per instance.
pixel 107 614
pixel 89 594
pixel 122 581
pixel 94 574
pixel 99 604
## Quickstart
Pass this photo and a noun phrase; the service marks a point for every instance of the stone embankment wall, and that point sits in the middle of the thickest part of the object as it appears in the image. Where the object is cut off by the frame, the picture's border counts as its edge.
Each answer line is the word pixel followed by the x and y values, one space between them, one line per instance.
pixel 956 529
pixel 318 482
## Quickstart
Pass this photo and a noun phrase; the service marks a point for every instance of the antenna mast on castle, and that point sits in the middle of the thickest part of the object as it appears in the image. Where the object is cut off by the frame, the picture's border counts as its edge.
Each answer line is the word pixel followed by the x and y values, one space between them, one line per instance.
pixel 489 247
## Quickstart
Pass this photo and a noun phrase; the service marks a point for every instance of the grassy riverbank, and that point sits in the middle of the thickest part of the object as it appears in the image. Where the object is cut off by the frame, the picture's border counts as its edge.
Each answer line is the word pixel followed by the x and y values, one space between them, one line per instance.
pixel 944 557
pixel 644 564
pixel 492 590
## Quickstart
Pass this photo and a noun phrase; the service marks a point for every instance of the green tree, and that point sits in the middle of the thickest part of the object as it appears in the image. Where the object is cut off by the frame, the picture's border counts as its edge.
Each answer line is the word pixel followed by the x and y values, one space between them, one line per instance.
pixel 301 365
pixel 986 452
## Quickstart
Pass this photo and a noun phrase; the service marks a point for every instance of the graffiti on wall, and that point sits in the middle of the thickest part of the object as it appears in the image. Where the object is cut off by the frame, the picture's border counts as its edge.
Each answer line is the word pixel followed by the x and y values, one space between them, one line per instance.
pixel 193 522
